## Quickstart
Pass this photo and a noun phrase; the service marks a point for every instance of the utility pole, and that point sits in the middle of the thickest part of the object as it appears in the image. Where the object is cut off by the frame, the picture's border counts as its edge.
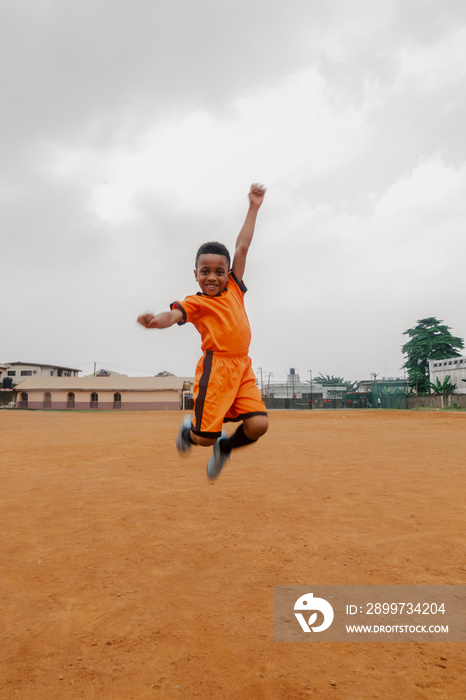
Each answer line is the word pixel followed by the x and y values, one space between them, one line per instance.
pixel 268 383
pixel 374 392
pixel 310 372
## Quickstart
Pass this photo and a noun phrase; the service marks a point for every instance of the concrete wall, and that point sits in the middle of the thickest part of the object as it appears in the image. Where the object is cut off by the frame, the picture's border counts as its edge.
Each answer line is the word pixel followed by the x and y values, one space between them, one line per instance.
pixel 436 401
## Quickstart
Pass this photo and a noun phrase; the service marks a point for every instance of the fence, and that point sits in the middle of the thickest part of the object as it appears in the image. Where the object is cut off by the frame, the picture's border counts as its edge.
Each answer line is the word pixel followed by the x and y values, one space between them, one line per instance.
pixel 387 393
pixel 6 397
pixel 433 401
pixel 303 404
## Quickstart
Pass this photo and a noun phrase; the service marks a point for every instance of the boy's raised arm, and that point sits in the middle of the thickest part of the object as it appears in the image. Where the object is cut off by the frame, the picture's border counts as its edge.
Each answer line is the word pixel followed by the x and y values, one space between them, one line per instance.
pixel 162 320
pixel 256 197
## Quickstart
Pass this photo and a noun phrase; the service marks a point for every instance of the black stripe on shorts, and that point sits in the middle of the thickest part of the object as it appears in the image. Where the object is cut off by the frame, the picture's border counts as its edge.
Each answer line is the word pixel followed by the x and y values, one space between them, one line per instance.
pixel 243 416
pixel 203 384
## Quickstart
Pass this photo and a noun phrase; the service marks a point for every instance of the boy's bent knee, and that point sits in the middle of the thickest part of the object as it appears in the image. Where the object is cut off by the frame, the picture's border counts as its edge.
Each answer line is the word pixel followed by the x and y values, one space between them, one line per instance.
pixel 202 441
pixel 256 426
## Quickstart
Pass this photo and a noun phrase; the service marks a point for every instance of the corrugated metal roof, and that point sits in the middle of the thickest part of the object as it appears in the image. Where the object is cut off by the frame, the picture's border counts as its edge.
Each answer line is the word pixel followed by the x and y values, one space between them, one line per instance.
pixel 112 383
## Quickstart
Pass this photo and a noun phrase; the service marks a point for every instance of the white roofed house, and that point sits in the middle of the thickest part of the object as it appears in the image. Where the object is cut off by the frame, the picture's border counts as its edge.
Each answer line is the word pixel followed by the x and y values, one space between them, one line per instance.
pixel 104 393
pixel 19 370
pixel 11 373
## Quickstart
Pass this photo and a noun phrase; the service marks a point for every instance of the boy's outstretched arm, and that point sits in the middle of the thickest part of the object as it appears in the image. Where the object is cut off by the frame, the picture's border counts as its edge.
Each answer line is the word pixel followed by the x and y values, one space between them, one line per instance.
pixel 256 197
pixel 163 320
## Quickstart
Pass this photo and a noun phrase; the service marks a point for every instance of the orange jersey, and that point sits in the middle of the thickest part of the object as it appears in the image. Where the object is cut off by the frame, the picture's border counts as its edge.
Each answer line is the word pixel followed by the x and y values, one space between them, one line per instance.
pixel 221 320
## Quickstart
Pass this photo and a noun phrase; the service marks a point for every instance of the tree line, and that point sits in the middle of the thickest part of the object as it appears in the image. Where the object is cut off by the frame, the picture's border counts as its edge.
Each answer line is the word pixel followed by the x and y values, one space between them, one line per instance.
pixel 428 340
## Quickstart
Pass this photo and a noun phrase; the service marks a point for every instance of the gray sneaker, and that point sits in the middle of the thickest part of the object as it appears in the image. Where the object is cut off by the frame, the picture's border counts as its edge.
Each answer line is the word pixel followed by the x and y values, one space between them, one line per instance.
pixel 182 445
pixel 218 459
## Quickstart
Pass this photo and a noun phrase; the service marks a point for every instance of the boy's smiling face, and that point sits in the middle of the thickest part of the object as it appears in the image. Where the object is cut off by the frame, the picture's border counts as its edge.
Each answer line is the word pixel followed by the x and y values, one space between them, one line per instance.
pixel 211 273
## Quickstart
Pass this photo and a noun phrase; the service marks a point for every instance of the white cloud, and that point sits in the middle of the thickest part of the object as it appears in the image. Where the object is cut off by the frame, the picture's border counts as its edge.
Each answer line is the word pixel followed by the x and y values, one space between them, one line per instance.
pixel 281 136
pixel 436 65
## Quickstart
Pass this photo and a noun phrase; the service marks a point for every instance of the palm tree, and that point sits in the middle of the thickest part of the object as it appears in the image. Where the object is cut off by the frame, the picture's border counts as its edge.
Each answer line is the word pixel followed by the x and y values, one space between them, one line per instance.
pixel 330 380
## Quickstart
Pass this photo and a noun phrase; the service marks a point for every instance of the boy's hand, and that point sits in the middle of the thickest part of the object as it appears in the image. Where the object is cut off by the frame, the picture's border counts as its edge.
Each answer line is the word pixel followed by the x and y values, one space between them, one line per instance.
pixel 163 320
pixel 148 321
pixel 256 195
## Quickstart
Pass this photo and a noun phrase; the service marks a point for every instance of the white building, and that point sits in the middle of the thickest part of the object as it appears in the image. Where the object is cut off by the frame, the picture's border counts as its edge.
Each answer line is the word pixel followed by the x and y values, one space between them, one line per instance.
pixel 20 370
pixel 298 393
pixel 454 367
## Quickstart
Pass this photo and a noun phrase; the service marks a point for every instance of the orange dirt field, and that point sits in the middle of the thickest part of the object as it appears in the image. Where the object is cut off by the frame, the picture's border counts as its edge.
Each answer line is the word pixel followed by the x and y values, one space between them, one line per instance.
pixel 126 575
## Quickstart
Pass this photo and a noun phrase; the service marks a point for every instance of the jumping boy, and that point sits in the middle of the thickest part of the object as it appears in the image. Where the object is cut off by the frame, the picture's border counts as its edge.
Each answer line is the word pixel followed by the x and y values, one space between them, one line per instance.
pixel 225 386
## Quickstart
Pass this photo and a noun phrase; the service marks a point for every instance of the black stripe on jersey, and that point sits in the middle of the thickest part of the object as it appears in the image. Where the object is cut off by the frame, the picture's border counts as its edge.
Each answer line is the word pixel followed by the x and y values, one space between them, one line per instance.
pixel 240 283
pixel 178 306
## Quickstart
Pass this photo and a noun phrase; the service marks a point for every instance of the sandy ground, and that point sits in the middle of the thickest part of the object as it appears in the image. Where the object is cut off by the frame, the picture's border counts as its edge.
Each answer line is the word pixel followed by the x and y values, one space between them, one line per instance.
pixel 125 574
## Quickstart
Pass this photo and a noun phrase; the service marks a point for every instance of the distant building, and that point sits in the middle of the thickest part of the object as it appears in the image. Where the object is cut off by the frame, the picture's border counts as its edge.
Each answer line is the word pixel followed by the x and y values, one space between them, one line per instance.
pixel 364 386
pixel 106 373
pixel 297 393
pixel 454 367
pixel 104 393
pixel 20 370
pixel 391 391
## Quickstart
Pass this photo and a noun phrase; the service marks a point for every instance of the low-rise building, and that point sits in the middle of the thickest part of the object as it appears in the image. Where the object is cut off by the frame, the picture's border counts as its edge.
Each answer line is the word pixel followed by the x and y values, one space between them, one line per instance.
pixel 17 371
pixel 104 393
pixel 297 393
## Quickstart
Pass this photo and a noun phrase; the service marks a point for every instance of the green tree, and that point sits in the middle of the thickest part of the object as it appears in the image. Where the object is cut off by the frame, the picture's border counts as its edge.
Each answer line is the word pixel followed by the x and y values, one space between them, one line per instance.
pixel 429 340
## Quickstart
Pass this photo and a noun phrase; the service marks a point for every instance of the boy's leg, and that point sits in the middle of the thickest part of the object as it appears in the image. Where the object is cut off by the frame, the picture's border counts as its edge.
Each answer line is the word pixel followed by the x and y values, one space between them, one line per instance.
pixel 203 441
pixel 218 459
pixel 186 437
pixel 250 430
pixel 183 439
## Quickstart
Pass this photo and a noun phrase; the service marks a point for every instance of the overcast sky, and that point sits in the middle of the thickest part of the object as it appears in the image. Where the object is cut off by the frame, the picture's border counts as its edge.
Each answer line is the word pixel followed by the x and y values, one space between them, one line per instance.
pixel 131 132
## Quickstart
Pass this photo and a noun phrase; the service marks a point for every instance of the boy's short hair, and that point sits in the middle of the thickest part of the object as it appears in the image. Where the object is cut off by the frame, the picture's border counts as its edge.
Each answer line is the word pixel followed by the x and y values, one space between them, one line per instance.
pixel 214 248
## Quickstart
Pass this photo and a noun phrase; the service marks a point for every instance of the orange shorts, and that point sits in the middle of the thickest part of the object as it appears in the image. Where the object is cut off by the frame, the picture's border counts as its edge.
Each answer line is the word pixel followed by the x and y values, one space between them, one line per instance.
pixel 224 390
